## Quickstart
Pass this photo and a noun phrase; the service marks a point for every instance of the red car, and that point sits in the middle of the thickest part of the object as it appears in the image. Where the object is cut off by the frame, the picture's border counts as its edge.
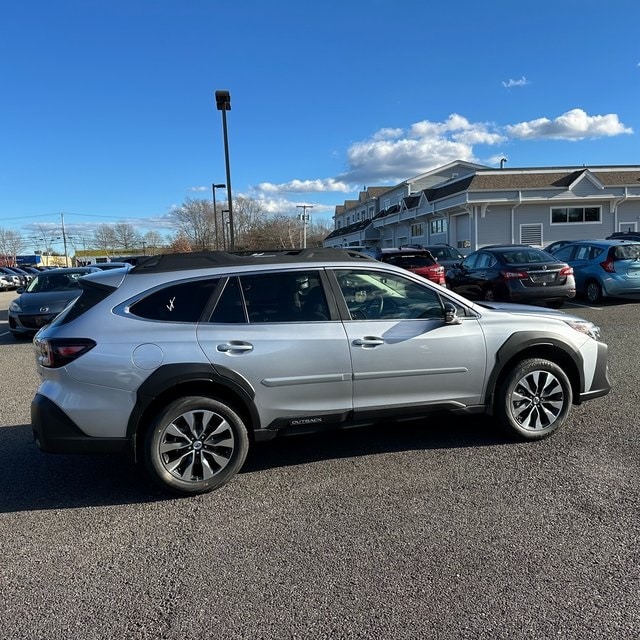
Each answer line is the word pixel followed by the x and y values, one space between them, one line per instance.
pixel 419 261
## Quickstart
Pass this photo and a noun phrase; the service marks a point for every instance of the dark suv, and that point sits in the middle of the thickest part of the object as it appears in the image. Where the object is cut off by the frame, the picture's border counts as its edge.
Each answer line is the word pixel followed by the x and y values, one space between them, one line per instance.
pixel 186 359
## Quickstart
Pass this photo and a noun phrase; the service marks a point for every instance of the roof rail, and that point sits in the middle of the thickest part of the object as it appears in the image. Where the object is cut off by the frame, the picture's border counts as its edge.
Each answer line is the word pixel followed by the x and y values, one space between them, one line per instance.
pixel 208 259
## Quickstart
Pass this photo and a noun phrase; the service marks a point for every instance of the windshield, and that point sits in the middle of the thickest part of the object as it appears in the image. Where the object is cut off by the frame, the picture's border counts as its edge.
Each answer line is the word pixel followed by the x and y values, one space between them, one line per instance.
pixel 55 282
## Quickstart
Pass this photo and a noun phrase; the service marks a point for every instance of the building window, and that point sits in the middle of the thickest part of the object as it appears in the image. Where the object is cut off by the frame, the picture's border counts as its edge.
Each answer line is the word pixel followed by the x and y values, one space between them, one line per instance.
pixel 417 230
pixel 439 226
pixel 575 215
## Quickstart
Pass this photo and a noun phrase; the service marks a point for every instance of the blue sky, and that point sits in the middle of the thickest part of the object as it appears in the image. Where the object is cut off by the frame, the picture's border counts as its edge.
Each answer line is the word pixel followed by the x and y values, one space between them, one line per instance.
pixel 108 110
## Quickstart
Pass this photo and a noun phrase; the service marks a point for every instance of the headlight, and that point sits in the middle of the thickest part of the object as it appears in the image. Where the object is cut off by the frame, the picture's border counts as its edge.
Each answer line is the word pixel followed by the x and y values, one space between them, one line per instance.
pixel 15 307
pixel 586 327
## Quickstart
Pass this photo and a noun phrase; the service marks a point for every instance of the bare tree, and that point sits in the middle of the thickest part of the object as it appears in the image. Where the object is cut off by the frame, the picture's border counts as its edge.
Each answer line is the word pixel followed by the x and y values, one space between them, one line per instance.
pixel 11 244
pixel 125 236
pixel 195 221
pixel 104 238
pixel 152 242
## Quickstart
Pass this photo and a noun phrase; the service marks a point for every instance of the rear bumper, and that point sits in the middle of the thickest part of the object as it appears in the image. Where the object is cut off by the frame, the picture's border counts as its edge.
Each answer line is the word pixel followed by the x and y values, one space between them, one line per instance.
pixel 55 432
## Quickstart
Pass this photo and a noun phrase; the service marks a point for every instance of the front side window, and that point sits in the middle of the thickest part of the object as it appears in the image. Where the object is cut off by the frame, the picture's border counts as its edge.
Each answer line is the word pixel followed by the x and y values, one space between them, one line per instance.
pixel 374 295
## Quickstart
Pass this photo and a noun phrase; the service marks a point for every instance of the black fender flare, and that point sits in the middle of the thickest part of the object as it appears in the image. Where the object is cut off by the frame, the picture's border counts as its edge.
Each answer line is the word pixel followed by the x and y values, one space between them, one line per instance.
pixel 523 341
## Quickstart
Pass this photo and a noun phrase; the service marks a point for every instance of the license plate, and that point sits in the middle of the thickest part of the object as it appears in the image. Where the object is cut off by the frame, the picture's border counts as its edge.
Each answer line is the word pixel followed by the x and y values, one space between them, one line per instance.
pixel 544 278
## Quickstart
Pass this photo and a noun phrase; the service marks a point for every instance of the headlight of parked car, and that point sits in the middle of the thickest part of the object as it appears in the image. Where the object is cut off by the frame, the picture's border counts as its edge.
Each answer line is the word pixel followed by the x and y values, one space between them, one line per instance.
pixel 15 307
pixel 584 326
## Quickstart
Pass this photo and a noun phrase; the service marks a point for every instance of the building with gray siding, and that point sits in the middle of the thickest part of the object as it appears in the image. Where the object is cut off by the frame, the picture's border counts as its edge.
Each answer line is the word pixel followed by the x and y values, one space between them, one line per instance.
pixel 470 205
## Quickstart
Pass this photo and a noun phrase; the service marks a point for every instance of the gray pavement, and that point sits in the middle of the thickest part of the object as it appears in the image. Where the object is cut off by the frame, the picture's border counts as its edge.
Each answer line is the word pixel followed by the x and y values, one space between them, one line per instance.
pixel 431 529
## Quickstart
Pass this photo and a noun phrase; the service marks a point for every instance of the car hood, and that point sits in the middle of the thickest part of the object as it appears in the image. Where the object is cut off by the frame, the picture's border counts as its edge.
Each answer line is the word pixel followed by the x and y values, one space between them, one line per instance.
pixel 55 301
pixel 526 309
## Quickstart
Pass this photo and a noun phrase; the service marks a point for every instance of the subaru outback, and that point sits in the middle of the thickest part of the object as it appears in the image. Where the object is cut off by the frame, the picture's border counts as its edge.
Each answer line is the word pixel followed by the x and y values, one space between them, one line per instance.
pixel 186 360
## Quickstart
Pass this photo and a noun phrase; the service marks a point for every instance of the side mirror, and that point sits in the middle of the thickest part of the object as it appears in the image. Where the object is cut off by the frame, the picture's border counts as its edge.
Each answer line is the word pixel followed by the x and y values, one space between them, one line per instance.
pixel 20 290
pixel 451 315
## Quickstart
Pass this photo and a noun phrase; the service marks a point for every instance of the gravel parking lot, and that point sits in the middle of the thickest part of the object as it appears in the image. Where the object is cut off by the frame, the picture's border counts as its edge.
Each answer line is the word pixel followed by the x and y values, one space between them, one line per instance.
pixel 429 529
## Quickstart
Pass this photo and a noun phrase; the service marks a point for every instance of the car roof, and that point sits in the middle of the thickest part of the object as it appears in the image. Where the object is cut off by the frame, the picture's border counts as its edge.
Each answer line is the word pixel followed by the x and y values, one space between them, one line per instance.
pixel 210 259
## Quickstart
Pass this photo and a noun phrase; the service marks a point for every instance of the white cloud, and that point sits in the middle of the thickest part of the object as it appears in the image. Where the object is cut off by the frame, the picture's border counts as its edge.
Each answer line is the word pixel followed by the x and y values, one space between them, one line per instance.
pixel 305 186
pixel 572 125
pixel 199 189
pixel 515 83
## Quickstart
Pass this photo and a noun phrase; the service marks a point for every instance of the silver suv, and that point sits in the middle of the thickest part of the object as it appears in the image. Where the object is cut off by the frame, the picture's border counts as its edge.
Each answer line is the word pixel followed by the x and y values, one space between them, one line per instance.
pixel 186 359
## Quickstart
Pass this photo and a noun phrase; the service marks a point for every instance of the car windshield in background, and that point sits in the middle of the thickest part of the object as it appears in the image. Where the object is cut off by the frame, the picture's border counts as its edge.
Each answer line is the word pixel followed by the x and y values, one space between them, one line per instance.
pixel 522 256
pixel 54 282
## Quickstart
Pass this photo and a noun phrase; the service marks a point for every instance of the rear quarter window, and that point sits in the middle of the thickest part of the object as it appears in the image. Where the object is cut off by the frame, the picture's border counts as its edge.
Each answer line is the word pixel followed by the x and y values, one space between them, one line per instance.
pixel 183 302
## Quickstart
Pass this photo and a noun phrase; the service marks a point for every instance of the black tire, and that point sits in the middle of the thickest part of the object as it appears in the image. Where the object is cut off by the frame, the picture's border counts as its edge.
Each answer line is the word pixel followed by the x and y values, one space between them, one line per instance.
pixel 488 295
pixel 593 292
pixel 534 399
pixel 195 444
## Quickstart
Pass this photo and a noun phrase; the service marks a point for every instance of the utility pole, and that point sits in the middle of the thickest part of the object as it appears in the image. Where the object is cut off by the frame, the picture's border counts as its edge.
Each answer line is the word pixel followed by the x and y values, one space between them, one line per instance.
pixel 304 216
pixel 64 241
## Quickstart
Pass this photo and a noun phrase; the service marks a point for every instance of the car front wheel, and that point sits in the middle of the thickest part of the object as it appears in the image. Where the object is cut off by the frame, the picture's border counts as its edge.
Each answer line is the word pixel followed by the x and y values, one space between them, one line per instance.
pixel 534 399
pixel 195 444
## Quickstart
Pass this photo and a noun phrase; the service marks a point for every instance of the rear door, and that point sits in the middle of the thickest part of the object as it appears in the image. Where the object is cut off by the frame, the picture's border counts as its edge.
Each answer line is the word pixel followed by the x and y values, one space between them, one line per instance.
pixel 291 351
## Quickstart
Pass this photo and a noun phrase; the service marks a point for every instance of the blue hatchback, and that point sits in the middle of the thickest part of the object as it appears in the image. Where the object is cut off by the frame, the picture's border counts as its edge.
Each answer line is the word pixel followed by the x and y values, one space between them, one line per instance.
pixel 603 268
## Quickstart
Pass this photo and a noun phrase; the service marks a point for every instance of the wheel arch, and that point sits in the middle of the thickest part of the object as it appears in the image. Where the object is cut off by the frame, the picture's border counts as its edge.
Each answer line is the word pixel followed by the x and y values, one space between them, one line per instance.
pixel 172 382
pixel 524 345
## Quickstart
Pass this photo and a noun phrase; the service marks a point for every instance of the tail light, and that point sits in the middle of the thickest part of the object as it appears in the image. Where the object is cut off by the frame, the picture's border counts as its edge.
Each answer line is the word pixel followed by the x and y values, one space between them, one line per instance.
pixel 514 275
pixel 608 265
pixel 565 271
pixel 60 352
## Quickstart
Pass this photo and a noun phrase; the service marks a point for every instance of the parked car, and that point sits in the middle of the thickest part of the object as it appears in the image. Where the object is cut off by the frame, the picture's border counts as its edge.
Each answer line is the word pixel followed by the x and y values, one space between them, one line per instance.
pixel 604 268
pixel 554 246
pixel 6 282
pixel 445 254
pixel 44 297
pixel 625 235
pixel 513 273
pixel 418 261
pixel 25 276
pixel 186 359
pixel 15 279
pixel 112 265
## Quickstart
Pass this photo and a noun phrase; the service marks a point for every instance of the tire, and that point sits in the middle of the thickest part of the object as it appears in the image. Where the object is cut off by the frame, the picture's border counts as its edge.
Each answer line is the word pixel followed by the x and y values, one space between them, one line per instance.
pixel 195 445
pixel 593 292
pixel 488 295
pixel 534 399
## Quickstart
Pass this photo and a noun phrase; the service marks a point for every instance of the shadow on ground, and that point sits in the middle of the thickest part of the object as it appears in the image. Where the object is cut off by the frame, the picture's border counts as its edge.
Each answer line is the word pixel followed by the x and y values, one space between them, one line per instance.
pixel 32 480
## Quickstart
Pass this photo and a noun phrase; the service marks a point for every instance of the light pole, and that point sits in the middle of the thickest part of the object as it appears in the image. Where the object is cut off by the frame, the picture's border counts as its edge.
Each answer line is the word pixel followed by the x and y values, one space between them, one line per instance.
pixel 224 229
pixel 215 212
pixel 223 103
pixel 304 216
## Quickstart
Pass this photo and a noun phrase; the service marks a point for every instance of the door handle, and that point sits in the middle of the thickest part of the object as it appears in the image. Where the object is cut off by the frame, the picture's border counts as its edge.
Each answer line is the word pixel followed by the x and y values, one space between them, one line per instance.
pixel 234 346
pixel 368 341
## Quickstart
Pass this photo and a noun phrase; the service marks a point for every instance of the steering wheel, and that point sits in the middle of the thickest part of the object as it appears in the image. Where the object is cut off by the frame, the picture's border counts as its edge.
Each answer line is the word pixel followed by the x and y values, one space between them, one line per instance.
pixel 374 307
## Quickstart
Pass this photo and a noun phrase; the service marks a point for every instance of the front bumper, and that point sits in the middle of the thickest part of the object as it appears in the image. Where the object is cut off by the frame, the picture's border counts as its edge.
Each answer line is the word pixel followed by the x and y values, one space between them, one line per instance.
pixel 600 385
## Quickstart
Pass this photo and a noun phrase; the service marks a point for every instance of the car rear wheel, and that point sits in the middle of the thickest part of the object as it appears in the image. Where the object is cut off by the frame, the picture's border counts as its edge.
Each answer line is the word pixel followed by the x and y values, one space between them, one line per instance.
pixel 593 292
pixel 534 399
pixel 488 295
pixel 195 444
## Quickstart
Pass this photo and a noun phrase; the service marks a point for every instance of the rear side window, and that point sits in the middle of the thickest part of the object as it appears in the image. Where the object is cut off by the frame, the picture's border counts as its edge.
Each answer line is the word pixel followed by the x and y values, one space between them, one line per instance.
pixel 183 302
